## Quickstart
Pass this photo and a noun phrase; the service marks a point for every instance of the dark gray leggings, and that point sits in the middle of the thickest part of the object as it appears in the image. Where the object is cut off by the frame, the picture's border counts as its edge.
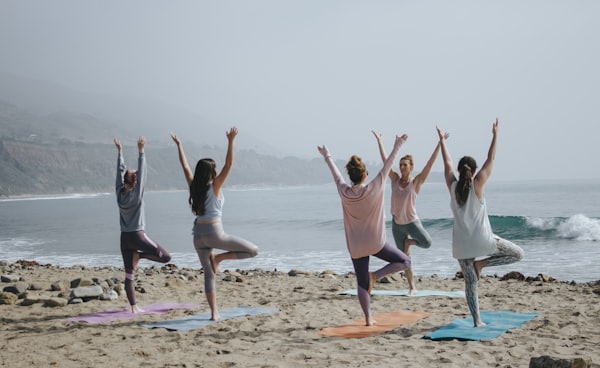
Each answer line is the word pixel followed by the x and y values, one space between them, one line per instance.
pixel 398 261
pixel 138 242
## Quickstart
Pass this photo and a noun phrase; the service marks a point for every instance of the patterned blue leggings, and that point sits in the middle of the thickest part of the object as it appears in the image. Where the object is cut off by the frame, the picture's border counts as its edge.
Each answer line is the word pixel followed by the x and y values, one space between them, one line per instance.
pixel 507 253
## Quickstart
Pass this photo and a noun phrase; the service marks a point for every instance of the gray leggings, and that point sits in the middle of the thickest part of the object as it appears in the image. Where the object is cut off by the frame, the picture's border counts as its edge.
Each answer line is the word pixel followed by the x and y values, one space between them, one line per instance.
pixel 209 236
pixel 415 230
pixel 507 253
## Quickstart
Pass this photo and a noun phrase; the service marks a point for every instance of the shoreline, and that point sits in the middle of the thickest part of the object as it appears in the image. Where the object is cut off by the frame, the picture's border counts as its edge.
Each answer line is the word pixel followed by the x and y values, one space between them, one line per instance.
pixel 515 275
pixel 566 326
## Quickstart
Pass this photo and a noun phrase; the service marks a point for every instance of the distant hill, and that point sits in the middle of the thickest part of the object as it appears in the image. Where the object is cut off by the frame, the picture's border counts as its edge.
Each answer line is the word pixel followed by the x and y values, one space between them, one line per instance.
pixel 41 166
pixel 57 140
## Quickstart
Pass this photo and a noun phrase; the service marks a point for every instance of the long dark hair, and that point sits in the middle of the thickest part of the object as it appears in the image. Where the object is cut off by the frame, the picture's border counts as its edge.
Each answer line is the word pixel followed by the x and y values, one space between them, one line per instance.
pixel 466 170
pixel 356 169
pixel 204 174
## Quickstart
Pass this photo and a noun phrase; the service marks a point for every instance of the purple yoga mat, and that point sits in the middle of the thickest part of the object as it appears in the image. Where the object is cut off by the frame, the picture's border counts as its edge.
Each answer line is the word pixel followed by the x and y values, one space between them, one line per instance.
pixel 125 313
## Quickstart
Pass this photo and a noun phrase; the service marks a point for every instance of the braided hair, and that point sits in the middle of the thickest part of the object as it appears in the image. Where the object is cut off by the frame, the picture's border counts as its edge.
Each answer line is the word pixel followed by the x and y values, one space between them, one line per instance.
pixel 466 169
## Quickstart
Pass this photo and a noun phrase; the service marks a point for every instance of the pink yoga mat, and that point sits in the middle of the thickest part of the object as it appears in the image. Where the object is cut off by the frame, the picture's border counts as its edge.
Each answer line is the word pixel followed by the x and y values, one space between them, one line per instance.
pixel 125 313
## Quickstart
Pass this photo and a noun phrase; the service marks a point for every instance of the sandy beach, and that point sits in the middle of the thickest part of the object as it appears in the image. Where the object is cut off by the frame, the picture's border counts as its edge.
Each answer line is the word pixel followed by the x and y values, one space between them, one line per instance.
pixel 567 326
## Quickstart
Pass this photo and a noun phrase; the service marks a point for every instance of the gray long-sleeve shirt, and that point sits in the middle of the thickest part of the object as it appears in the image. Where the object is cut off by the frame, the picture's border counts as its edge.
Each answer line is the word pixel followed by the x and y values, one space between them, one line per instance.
pixel 131 204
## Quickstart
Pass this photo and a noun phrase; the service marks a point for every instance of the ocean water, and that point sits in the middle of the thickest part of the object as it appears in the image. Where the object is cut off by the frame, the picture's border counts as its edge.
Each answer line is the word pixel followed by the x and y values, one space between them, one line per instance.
pixel 556 223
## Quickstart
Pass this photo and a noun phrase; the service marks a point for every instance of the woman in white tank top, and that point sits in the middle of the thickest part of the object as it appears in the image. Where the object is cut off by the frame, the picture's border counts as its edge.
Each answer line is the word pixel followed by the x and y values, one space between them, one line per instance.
pixel 472 234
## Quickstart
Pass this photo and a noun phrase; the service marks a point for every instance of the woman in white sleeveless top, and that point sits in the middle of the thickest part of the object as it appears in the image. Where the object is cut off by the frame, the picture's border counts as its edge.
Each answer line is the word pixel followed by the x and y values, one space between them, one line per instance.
pixel 472 235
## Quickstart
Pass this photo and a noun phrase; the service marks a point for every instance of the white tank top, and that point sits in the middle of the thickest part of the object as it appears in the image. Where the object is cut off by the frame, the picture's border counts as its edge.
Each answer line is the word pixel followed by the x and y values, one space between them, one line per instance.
pixel 472 234
pixel 213 208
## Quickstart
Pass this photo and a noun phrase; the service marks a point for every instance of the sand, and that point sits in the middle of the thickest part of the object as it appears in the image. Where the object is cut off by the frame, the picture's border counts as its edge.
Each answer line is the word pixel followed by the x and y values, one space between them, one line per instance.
pixel 568 325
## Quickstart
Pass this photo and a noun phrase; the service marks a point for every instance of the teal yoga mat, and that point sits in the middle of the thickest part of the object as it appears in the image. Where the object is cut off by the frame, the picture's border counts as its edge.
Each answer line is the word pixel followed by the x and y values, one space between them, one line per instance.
pixel 497 323
pixel 203 319
pixel 404 292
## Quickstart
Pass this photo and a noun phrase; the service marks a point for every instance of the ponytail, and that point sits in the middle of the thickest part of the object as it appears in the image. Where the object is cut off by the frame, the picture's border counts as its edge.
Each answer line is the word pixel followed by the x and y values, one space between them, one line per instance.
pixel 466 170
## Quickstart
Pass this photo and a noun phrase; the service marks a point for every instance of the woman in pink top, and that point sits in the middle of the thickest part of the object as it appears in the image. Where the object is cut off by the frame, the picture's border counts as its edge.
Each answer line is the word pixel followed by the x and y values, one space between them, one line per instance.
pixel 364 222
pixel 406 225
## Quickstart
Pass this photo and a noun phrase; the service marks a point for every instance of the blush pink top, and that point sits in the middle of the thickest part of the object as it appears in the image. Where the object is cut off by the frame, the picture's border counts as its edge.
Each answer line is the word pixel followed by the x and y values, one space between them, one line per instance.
pixel 362 207
pixel 404 202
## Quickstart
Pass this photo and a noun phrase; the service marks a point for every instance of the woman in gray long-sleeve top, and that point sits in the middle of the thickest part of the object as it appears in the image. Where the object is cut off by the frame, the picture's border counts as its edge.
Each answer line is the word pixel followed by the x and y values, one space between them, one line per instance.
pixel 135 244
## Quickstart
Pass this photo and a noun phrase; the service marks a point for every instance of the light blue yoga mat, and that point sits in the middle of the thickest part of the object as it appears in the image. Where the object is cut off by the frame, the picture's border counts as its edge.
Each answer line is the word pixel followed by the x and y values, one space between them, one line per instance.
pixel 404 292
pixel 497 323
pixel 203 319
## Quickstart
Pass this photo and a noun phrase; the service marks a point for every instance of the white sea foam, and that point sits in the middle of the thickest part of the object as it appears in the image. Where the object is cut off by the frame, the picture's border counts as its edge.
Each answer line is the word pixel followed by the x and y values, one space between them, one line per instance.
pixel 580 227
pixel 542 223
pixel 54 197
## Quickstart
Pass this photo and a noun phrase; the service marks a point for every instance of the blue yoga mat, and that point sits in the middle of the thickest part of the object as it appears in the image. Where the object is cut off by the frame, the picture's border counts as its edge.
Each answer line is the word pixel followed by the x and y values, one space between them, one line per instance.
pixel 497 323
pixel 203 319
pixel 404 292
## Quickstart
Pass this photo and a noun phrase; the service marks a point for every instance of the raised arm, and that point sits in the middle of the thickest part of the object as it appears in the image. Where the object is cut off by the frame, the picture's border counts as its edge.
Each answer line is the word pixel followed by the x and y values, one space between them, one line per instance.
pixel 142 173
pixel 187 172
pixel 389 161
pixel 120 166
pixel 220 179
pixel 448 171
pixel 486 169
pixel 382 152
pixel 422 176
pixel 337 175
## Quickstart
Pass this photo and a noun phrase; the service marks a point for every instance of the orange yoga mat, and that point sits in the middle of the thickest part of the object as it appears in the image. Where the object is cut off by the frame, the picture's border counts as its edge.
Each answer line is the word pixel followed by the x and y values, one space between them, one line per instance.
pixel 384 322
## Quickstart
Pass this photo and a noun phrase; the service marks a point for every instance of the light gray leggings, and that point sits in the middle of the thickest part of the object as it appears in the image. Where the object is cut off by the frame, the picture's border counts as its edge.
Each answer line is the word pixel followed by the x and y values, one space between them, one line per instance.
pixel 209 236
pixel 507 253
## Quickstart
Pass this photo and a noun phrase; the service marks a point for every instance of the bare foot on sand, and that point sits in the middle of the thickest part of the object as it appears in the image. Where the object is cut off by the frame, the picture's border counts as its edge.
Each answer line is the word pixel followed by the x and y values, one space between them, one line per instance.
pixel 412 291
pixel 136 309
pixel 215 316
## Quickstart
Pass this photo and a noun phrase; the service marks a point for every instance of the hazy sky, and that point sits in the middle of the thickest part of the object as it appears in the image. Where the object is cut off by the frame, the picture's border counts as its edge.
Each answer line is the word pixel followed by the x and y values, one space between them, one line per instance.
pixel 308 72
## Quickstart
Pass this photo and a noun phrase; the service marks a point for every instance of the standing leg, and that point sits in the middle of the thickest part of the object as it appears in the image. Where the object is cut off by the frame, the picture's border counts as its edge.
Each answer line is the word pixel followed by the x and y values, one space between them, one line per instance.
pixel 136 245
pixel 403 242
pixel 209 281
pixel 130 258
pixel 361 269
pixel 468 269
pixel 420 238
